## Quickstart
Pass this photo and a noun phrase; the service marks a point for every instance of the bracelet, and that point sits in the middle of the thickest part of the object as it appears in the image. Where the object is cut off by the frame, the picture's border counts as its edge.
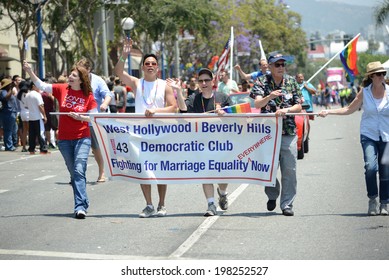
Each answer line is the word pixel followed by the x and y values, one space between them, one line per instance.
pixel 122 59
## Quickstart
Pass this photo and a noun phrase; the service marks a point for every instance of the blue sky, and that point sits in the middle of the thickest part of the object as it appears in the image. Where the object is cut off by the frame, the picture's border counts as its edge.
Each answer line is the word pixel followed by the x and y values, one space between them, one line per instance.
pixel 369 3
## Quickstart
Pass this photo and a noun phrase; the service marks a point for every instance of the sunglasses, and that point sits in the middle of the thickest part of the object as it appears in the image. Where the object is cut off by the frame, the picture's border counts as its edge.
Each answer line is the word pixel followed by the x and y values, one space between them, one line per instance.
pixel 150 63
pixel 205 81
pixel 277 65
pixel 380 74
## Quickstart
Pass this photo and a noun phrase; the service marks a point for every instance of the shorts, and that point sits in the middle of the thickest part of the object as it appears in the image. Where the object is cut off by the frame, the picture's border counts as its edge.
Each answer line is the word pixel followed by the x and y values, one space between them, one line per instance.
pixel 24 115
pixel 51 123
pixel 95 144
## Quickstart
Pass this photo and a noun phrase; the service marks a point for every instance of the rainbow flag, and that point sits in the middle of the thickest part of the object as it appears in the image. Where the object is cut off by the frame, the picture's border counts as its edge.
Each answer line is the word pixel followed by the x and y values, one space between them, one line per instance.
pixel 349 59
pixel 238 108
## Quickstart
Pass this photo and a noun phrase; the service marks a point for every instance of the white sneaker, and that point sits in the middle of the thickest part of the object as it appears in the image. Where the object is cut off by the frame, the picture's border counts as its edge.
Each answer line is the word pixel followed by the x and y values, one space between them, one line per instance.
pixel 161 211
pixel 147 212
pixel 80 214
pixel 384 209
pixel 373 207
pixel 211 211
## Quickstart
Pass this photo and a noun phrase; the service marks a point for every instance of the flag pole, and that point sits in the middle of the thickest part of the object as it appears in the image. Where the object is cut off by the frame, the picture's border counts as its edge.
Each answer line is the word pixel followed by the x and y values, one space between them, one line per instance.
pixel 263 56
pixel 231 51
pixel 328 62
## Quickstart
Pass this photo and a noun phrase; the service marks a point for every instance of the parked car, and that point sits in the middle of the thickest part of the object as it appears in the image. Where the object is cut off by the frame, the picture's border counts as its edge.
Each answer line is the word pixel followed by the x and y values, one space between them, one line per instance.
pixel 302 122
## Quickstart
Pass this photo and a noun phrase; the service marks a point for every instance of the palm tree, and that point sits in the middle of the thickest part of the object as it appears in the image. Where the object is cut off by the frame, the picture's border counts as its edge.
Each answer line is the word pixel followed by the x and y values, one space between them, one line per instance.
pixel 382 12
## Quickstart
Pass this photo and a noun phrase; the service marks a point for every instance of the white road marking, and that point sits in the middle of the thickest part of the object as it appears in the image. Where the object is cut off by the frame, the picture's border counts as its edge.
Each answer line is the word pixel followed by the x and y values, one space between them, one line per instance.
pixel 25 157
pixel 3 191
pixel 178 253
pixel 208 222
pixel 69 255
pixel 44 178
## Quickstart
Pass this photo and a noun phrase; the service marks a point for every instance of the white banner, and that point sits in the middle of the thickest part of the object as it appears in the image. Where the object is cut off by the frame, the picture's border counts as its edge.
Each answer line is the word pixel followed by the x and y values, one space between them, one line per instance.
pixel 190 148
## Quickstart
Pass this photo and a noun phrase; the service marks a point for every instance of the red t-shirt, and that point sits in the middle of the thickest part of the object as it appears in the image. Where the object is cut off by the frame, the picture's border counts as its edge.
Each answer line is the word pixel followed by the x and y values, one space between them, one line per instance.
pixel 72 101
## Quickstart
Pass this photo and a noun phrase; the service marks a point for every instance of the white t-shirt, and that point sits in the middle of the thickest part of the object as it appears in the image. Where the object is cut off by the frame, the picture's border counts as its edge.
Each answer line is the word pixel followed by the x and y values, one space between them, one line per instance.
pixel 34 101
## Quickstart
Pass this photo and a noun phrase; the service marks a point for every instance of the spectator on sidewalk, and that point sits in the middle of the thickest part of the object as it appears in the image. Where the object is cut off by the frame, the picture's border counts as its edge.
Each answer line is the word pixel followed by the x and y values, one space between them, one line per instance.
pixel 24 113
pixel 36 120
pixel 51 124
pixel 9 112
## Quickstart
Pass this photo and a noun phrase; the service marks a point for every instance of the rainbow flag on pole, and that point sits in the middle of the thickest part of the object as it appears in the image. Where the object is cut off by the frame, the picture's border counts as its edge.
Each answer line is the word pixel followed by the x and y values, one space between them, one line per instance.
pixel 238 108
pixel 349 59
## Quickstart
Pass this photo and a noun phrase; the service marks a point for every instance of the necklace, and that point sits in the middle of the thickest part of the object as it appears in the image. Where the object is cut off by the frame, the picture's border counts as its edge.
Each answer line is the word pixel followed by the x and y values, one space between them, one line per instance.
pixel 214 102
pixel 145 100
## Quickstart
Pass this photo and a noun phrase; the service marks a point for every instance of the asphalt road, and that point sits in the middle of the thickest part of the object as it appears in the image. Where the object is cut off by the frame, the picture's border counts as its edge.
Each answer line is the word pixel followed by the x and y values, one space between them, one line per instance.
pixel 330 221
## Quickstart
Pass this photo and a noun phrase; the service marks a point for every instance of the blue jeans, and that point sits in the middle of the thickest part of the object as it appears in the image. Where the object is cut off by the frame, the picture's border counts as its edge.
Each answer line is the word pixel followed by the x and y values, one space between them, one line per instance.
pixel 9 126
pixel 372 154
pixel 75 154
pixel 288 164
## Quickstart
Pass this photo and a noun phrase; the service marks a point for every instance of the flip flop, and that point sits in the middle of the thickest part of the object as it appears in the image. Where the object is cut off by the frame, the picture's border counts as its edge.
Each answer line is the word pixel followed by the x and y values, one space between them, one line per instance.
pixel 102 180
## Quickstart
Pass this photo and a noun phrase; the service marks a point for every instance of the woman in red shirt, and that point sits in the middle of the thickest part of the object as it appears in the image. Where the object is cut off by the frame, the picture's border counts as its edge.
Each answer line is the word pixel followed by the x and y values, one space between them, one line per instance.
pixel 74 98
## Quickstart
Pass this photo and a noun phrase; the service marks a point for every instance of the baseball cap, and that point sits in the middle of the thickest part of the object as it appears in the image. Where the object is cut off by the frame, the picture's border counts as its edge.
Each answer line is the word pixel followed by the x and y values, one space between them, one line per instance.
pixel 206 71
pixel 274 57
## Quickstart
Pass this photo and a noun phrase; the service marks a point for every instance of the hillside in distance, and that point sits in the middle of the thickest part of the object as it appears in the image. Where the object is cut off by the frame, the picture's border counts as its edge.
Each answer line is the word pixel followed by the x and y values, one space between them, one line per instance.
pixel 327 16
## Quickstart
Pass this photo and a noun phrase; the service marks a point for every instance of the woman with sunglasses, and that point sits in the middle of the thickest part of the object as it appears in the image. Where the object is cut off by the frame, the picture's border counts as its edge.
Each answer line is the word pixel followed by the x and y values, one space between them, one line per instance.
pixel 207 100
pixel 374 130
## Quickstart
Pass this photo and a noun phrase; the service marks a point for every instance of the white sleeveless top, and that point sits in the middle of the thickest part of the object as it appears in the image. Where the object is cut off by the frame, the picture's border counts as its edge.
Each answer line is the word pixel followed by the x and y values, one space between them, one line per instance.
pixel 375 120
pixel 150 95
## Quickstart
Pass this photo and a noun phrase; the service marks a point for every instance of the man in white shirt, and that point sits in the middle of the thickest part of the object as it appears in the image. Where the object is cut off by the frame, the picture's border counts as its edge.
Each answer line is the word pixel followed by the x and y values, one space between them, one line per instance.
pixel 36 120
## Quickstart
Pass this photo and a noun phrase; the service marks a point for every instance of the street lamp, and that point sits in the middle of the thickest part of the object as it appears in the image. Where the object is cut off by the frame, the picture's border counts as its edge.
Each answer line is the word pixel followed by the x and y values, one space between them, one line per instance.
pixel 128 24
pixel 39 23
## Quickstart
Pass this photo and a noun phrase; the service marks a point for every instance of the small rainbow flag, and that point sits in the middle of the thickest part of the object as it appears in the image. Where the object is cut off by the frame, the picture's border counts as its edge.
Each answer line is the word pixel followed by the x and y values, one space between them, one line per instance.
pixel 349 59
pixel 238 108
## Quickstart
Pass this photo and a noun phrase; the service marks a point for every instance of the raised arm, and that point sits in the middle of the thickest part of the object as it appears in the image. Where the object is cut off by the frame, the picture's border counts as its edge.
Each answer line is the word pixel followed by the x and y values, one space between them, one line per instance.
pixel 34 78
pixel 176 85
pixel 119 67
pixel 242 74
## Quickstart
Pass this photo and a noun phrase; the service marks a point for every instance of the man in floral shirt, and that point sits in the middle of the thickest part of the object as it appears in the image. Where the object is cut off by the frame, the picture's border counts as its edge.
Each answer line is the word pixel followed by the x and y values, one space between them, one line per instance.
pixel 280 94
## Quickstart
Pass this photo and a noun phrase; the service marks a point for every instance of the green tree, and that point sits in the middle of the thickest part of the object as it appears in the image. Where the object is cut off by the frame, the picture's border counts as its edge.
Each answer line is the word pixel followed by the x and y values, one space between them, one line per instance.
pixel 279 29
pixel 382 12
pixel 163 20
pixel 364 59
pixel 60 15
pixel 276 26
pixel 22 14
